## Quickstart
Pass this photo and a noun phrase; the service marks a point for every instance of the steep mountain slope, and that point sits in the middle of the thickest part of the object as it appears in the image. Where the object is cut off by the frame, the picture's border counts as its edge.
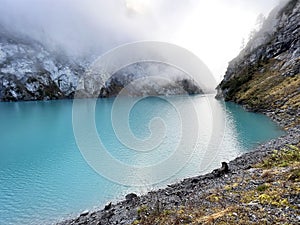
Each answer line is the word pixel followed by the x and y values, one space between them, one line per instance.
pixel 29 72
pixel 149 78
pixel 265 76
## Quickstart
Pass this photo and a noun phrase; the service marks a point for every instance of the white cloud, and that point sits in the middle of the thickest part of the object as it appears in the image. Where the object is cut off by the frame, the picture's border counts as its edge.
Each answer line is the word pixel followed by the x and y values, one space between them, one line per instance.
pixel 211 29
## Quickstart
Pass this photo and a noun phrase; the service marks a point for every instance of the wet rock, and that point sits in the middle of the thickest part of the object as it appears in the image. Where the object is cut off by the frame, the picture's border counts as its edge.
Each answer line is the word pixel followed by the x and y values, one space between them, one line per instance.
pixel 131 197
pixel 84 213
pixel 108 206
pixel 221 171
pixel 195 180
pixel 107 215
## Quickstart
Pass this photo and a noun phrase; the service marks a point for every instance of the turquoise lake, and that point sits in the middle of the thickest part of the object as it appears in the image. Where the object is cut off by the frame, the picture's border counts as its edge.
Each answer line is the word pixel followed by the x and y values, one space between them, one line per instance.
pixel 44 177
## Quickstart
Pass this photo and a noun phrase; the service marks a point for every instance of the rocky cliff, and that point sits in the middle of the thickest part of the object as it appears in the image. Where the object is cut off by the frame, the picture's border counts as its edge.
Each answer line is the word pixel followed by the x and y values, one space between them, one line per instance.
pixel 28 71
pixel 265 76
pixel 149 78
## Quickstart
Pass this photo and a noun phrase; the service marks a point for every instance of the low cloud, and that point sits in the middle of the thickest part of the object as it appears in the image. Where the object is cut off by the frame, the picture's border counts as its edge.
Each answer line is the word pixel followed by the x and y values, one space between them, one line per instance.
pixel 86 27
pixel 80 27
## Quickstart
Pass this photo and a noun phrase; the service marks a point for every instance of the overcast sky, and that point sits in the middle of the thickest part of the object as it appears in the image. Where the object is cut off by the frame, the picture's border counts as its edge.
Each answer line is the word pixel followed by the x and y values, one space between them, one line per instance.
pixel 212 29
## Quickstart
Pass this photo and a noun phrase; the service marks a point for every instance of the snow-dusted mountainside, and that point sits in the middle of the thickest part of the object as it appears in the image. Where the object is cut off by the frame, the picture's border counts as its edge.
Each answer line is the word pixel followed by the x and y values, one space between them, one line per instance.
pixel 29 72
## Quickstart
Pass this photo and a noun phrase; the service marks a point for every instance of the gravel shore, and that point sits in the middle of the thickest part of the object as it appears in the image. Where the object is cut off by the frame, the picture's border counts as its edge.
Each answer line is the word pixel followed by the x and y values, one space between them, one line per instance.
pixel 194 192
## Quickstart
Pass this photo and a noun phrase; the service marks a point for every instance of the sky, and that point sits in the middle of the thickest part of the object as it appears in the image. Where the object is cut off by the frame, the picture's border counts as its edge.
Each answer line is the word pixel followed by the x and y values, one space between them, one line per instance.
pixel 213 30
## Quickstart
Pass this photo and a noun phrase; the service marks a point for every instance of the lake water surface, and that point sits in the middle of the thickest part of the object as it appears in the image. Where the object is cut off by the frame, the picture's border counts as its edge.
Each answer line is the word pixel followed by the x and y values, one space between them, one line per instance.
pixel 44 177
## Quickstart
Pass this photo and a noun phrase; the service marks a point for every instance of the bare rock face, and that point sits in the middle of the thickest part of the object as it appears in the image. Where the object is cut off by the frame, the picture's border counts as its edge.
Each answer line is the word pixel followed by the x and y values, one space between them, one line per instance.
pixel 148 78
pixel 265 76
pixel 29 72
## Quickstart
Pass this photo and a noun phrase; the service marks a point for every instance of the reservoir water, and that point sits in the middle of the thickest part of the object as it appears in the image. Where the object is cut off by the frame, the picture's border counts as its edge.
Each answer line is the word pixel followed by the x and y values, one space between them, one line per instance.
pixel 45 178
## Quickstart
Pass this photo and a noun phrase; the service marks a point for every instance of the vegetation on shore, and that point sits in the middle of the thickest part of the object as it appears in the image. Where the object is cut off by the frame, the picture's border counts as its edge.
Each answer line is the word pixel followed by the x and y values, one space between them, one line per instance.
pixel 265 76
pixel 263 88
pixel 268 193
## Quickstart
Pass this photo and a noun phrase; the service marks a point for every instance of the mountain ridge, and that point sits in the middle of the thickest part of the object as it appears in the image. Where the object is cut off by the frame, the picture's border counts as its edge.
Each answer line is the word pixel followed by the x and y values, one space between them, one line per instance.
pixel 30 71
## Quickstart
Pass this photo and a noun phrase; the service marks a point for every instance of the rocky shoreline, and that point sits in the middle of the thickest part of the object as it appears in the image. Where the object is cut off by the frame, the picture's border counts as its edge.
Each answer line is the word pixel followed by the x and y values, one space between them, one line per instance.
pixel 193 191
pixel 261 187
